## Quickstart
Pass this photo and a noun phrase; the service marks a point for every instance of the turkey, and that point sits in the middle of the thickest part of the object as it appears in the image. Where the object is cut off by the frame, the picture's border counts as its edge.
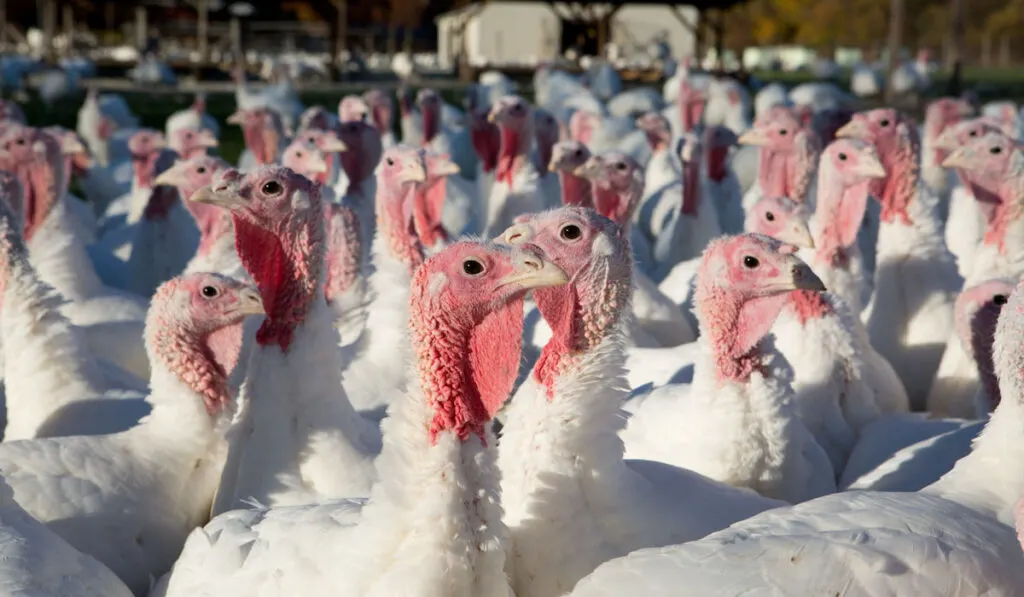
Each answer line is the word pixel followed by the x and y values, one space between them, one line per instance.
pixel 954 534
pixel 910 315
pixel 358 188
pixel 193 333
pixel 515 189
pixel 788 157
pixel 940 115
pixel 563 473
pixel 296 437
pixel 36 561
pixel 566 158
pixel 190 142
pixel 433 524
pixel 194 117
pixel 758 442
pixel 264 134
pixel 382 115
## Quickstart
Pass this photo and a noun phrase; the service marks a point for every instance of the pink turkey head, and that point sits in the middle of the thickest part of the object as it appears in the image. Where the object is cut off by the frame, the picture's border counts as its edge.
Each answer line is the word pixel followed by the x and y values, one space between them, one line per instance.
pixel 466 322
pixel 742 285
pixel 314 118
pixel 976 314
pixel 718 140
pixel 566 158
pixel 188 176
pixel 145 143
pixel 363 152
pixel 617 183
pixel 939 116
pixel 657 130
pixel 692 101
pixel 847 169
pixel 191 142
pixel 37 158
pixel 344 248
pixel 428 206
pixel 279 235
pixel 995 167
pixel 984 188
pixel 583 125
pixel 594 252
pixel 382 110
pixel 776 130
pixel 401 173
pixel 194 329
pixel 514 118
pixel 895 139
pixel 546 132
pixel 307 160
pixel 77 159
pixel 353 109
pixel 263 132
pixel 788 152
pixel 780 218
pixel 429 104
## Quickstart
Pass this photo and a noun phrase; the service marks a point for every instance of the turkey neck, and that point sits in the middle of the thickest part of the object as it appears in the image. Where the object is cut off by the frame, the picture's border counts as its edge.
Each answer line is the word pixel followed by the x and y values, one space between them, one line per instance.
pixel 787 173
pixel 691 187
pixel 1005 219
pixel 734 328
pixel 514 147
pixel 486 140
pixel 833 197
pixel 575 190
pixel 989 479
pixel 143 167
pixel 691 112
pixel 897 190
pixel 436 515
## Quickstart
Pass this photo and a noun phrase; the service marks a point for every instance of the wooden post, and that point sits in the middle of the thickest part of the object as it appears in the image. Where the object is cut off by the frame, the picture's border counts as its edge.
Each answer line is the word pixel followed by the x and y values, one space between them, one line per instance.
pixel 68 22
pixel 896 10
pixel 141 28
pixel 720 39
pixel 3 24
pixel 602 34
pixel 49 27
pixel 236 39
pixel 203 31
pixel 956 45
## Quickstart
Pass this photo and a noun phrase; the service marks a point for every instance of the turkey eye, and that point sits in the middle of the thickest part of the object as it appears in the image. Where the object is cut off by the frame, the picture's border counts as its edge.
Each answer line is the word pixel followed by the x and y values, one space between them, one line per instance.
pixel 209 291
pixel 750 262
pixel 999 299
pixel 842 157
pixel 271 187
pixel 472 267
pixel 312 140
pixel 21 141
pixel 973 133
pixel 783 132
pixel 570 232
pixel 884 122
pixel 620 166
pixel 188 135
pixel 298 154
pixel 578 152
pixel 769 216
pixel 996 150
pixel 201 170
pixel 390 162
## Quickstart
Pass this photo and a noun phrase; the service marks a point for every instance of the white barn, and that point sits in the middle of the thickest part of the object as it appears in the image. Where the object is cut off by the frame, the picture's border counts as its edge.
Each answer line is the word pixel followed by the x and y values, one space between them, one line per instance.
pixel 501 33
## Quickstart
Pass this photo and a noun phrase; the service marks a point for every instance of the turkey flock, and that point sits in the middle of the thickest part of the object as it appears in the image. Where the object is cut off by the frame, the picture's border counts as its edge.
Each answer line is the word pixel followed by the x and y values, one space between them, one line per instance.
pixel 589 346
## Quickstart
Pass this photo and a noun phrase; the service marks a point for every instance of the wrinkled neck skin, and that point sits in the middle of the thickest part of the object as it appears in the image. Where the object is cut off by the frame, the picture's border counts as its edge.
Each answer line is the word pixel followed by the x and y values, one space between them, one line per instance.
pixel 50 365
pixel 486 145
pixel 264 143
pixel 515 145
pixel 897 191
pixel 717 162
pixel 691 112
pixel 734 330
pixel 431 119
pixel 436 515
pixel 785 174
pixel 575 190
pixel 1005 230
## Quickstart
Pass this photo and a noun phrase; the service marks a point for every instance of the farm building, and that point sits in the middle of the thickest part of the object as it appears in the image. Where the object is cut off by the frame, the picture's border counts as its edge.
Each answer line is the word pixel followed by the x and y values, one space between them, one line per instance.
pixel 521 33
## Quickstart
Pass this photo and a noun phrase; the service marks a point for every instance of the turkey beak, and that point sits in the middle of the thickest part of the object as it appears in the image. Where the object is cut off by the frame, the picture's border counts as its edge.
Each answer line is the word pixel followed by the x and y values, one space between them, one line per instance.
pixel 961 158
pixel 533 271
pixel 223 196
pixel 799 234
pixel 159 142
pixel 755 137
pixel 946 140
pixel 444 167
pixel 590 169
pixel 799 277
pixel 870 167
pixel 317 165
pixel 71 146
pixel 250 303
pixel 333 145
pixel 170 177
pixel 414 172
pixel 237 118
pixel 206 139
pixel 517 234
pixel 854 129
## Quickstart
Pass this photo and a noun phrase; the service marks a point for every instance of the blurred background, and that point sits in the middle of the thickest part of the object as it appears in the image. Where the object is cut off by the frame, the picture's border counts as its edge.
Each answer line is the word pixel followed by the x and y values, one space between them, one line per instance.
pixel 159 53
